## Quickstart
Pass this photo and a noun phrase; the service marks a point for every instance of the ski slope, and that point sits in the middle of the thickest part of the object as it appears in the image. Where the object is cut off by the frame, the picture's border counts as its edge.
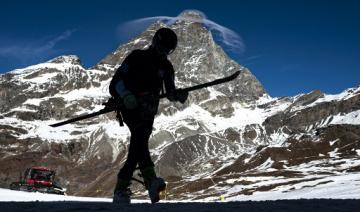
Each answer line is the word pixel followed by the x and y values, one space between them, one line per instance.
pixel 17 201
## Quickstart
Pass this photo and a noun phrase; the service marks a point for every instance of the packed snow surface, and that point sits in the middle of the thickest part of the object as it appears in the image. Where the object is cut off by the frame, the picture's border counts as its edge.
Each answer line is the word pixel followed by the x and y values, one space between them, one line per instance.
pixel 345 186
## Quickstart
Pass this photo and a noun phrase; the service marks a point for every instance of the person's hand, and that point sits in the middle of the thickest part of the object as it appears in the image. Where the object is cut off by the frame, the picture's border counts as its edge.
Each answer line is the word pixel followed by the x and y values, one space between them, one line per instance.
pixel 112 102
pixel 182 95
pixel 130 101
pixel 178 95
pixel 171 96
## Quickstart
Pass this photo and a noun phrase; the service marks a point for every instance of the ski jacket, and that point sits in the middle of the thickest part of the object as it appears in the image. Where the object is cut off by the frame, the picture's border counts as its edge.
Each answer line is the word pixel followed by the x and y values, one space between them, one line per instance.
pixel 141 73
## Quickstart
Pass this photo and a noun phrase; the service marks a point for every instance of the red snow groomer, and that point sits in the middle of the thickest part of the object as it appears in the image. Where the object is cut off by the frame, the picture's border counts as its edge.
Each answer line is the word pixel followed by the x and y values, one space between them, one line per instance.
pixel 40 179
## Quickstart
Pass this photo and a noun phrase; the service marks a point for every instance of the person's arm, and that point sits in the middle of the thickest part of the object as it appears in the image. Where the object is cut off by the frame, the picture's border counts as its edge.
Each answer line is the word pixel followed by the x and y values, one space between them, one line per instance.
pixel 173 94
pixel 119 88
pixel 169 79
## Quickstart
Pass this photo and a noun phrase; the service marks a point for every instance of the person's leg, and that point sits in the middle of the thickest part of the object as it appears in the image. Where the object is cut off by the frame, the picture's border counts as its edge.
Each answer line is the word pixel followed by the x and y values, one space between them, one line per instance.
pixel 140 137
pixel 122 191
pixel 143 133
pixel 140 124
pixel 138 149
pixel 130 164
pixel 146 165
pixel 153 184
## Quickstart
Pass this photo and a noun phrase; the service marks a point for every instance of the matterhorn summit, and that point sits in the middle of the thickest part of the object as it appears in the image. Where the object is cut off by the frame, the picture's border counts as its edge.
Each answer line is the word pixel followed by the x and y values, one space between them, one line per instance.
pixel 71 59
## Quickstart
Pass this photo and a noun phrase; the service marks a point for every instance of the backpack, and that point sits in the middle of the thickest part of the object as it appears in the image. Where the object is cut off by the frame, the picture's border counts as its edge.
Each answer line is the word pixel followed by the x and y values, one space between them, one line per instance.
pixel 112 89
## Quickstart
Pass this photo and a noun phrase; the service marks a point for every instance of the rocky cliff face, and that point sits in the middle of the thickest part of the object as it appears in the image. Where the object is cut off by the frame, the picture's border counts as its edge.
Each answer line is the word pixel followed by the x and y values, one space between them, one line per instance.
pixel 225 137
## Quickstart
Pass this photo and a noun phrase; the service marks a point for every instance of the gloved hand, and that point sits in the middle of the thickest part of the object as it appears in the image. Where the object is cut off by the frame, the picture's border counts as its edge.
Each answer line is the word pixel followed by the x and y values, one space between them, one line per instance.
pixel 112 102
pixel 182 95
pixel 129 101
pixel 178 95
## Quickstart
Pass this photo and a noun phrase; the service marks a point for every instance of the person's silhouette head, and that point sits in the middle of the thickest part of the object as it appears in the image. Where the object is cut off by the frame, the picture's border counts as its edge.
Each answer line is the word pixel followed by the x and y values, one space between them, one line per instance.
pixel 164 41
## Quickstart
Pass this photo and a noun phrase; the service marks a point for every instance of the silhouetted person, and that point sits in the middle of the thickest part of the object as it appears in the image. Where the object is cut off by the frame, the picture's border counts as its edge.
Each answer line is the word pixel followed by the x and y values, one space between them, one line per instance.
pixel 137 83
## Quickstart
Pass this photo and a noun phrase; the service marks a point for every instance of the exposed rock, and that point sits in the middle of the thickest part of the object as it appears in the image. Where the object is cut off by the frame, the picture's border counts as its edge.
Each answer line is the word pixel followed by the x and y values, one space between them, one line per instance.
pixel 232 135
pixel 221 106
pixel 160 138
pixel 308 98
pixel 300 120
pixel 72 59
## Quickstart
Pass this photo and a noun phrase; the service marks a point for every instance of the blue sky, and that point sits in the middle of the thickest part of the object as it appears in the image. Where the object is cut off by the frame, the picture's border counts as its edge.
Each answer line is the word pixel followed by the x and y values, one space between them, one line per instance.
pixel 290 46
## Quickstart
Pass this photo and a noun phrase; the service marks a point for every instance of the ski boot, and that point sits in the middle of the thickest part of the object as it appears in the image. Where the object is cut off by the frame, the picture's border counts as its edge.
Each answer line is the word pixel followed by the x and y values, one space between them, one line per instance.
pixel 122 192
pixel 154 185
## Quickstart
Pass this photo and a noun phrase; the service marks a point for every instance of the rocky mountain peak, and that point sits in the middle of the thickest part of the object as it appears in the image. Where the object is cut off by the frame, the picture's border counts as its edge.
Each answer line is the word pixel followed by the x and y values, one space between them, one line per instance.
pixel 197 58
pixel 70 59
pixel 192 15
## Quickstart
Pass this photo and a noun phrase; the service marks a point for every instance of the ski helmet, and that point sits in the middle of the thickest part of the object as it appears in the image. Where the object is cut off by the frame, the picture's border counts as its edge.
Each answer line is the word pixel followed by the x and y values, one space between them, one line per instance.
pixel 164 40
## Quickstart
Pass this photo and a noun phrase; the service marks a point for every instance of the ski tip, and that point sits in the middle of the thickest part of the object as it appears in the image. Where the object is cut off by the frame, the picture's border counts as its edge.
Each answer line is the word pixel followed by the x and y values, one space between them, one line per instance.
pixel 234 75
pixel 56 124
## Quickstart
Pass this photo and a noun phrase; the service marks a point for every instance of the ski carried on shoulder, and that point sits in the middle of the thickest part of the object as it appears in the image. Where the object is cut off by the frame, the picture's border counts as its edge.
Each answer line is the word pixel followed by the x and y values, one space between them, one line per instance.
pixel 208 84
pixel 111 104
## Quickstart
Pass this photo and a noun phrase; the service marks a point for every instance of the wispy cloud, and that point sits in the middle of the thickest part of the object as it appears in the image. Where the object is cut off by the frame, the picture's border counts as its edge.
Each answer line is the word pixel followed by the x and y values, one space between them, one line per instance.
pixel 251 60
pixel 228 37
pixel 35 49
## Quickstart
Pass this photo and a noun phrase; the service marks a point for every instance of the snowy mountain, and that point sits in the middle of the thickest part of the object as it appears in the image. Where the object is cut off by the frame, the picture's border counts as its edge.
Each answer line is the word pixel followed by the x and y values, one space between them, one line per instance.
pixel 230 140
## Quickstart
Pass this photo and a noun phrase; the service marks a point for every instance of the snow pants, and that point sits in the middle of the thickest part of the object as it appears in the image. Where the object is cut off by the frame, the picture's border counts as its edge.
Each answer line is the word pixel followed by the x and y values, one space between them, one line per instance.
pixel 140 122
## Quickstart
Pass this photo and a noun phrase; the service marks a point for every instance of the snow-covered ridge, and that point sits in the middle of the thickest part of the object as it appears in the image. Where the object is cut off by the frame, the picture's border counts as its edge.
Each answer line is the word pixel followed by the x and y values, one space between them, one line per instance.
pixel 72 59
pixel 243 114
pixel 346 94
pixel 350 118
pixel 60 63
